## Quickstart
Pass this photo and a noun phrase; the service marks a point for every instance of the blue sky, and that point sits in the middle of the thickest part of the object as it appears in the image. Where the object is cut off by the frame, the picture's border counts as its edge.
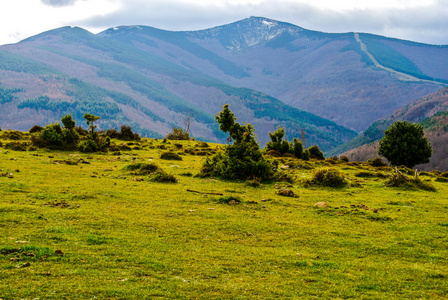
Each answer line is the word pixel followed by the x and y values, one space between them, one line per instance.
pixel 422 21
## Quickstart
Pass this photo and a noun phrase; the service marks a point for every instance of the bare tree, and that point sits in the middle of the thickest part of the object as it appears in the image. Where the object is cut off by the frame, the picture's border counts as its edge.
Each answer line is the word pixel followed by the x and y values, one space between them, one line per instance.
pixel 189 116
pixel 303 137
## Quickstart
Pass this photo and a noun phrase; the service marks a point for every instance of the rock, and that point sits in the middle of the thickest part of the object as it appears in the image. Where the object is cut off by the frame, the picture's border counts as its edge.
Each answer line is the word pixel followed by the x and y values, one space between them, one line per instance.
pixel 14 259
pixel 284 167
pixel 27 264
pixel 286 192
pixel 321 205
pixel 233 202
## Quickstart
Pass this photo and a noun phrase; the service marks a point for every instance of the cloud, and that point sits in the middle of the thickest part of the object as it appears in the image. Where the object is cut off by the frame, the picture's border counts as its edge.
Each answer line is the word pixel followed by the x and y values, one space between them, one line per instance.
pixel 425 23
pixel 59 3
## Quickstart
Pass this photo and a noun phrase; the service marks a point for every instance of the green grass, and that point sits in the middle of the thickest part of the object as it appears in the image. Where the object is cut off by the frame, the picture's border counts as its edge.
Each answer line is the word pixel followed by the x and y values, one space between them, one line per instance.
pixel 126 238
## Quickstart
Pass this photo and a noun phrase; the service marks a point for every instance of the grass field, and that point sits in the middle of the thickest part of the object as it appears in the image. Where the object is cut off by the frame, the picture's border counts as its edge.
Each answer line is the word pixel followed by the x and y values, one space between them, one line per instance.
pixel 82 226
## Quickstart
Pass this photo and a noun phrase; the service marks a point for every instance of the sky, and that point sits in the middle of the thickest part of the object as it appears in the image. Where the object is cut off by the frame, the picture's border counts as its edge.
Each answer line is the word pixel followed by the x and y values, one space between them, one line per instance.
pixel 423 21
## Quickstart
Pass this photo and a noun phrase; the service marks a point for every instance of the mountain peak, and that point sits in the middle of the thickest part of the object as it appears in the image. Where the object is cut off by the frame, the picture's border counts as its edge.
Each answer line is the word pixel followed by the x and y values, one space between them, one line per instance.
pixel 248 32
pixel 66 32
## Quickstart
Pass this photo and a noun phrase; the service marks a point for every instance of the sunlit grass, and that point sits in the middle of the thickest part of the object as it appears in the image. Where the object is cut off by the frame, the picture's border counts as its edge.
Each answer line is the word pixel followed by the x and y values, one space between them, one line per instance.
pixel 98 230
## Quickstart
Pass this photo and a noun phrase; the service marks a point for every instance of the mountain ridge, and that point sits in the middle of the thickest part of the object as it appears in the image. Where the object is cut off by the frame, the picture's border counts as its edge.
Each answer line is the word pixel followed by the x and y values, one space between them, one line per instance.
pixel 149 77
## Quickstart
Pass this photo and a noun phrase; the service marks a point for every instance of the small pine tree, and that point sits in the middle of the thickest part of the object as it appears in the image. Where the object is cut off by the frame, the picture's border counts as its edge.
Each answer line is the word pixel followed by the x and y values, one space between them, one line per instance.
pixel 277 142
pixel 404 143
pixel 241 160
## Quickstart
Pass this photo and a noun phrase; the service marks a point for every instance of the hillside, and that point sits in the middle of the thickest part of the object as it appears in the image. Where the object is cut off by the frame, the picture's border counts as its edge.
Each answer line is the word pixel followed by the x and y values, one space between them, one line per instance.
pixel 430 111
pixel 326 74
pixel 82 226
pixel 271 73
pixel 70 70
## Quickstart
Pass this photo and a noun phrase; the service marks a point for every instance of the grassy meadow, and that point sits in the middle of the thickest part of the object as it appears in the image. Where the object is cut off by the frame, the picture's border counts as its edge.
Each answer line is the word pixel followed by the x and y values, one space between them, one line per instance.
pixel 85 226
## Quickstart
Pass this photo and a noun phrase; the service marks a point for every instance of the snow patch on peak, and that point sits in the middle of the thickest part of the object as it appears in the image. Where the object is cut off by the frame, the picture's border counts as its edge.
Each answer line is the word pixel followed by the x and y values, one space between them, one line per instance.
pixel 269 24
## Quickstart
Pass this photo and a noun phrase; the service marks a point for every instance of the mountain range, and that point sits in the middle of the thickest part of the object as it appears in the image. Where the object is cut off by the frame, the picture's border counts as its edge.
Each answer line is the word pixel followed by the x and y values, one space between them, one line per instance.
pixel 272 73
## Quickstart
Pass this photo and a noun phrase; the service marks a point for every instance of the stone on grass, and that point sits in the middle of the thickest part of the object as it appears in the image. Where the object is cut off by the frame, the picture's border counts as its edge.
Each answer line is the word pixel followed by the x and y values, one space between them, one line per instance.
pixel 286 192
pixel 321 205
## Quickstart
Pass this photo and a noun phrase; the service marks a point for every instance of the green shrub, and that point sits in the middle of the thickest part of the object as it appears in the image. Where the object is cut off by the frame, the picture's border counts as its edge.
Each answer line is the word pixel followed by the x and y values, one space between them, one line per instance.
pixel 306 154
pixel 277 142
pixel 241 160
pixel 329 177
pixel 229 200
pixel 12 135
pixel 170 156
pixel 376 162
pixel 274 153
pixel 253 182
pixel 163 177
pixel 238 161
pixel 178 134
pixel 88 146
pixel 315 153
pixel 54 137
pixel 142 168
pixel 400 180
pixel 202 145
pixel 406 170
pixel 17 146
pixel 35 129
pixel 127 134
pixel 344 158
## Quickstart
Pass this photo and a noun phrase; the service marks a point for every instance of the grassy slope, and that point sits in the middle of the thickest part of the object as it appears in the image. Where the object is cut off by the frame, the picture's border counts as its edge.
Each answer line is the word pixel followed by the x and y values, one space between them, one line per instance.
pixel 130 239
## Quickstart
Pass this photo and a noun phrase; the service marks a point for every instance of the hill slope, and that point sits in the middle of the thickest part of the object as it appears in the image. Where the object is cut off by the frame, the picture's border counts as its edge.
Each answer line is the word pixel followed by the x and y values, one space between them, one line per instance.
pixel 271 73
pixel 431 111
pixel 326 74
pixel 70 70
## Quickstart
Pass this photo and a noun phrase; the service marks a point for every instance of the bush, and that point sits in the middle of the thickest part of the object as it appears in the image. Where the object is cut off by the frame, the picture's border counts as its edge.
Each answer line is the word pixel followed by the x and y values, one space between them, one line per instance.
pixel 315 153
pixel 344 158
pixel 329 177
pixel 306 154
pixel 241 160
pixel 277 142
pixel 274 153
pixel 376 162
pixel 12 135
pixel 400 180
pixel 177 134
pixel 253 182
pixel 142 168
pixel 163 177
pixel 16 146
pixel 202 145
pixel 88 146
pixel 238 161
pixel 35 129
pixel 232 200
pixel 81 131
pixel 54 137
pixel 127 134
pixel 170 156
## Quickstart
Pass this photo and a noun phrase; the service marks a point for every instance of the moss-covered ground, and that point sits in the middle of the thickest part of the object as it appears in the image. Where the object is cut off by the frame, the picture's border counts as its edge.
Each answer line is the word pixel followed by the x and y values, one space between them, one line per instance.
pixel 83 226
